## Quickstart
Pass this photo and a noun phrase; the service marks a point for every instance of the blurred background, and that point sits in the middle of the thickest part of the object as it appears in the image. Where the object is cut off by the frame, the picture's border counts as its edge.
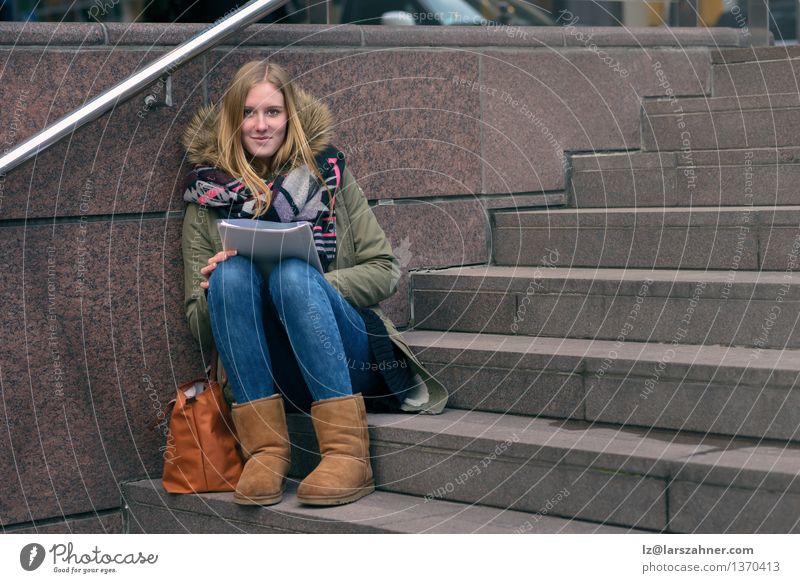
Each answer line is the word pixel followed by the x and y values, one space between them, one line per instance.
pixel 732 13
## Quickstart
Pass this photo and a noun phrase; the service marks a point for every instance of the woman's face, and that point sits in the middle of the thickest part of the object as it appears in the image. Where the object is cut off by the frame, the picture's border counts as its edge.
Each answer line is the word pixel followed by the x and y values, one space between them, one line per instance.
pixel 264 122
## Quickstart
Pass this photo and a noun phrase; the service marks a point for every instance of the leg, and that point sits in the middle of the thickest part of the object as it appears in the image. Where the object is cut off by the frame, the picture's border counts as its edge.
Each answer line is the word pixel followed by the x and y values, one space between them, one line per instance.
pixel 323 329
pixel 237 323
pixel 327 334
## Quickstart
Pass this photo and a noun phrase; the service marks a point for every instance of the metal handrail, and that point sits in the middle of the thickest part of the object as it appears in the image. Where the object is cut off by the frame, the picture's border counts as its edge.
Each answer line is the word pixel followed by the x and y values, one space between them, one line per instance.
pixel 209 38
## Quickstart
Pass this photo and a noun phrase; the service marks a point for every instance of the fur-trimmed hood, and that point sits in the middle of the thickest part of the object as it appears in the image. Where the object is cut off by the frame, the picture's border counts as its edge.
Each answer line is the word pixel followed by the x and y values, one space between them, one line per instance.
pixel 199 137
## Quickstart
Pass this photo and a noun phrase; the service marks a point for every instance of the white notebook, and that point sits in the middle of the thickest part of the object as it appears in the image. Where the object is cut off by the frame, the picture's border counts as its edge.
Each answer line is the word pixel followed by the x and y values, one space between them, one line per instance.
pixel 268 242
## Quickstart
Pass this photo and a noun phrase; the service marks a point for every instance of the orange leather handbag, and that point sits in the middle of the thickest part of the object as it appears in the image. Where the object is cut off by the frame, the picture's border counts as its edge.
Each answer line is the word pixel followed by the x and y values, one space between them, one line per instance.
pixel 201 454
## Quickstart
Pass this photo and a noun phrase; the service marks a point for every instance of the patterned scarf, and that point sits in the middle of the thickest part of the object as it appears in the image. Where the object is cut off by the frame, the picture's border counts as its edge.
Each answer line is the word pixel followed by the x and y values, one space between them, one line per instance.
pixel 297 196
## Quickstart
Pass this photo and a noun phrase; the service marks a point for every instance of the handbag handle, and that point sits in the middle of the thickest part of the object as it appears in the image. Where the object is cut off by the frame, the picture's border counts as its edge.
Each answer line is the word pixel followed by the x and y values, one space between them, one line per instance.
pixel 156 421
pixel 212 375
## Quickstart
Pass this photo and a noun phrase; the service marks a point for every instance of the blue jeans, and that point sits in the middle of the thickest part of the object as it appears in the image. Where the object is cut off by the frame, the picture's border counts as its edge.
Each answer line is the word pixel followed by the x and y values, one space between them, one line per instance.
pixel 327 335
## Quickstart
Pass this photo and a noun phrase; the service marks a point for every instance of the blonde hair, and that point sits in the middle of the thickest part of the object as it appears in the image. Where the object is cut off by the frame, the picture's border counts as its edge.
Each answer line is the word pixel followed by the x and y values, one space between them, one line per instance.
pixel 233 158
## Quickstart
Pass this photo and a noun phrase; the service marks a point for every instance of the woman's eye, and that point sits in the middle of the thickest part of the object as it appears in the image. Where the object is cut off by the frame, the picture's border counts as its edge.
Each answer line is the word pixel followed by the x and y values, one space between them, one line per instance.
pixel 273 112
pixel 248 112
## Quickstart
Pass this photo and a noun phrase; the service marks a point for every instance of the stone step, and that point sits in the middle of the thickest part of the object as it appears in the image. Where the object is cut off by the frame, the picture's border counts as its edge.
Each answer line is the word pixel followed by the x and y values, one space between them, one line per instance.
pixel 749 54
pixel 756 71
pixel 728 238
pixel 757 176
pixel 720 123
pixel 734 308
pixel 706 389
pixel 644 479
pixel 150 509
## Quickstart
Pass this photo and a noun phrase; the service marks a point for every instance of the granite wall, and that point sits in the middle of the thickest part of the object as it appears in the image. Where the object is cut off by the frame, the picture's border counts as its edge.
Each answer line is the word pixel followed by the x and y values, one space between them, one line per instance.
pixel 439 126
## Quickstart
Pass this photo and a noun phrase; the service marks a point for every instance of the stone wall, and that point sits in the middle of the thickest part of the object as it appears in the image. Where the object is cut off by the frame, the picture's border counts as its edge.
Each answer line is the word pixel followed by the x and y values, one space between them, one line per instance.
pixel 439 125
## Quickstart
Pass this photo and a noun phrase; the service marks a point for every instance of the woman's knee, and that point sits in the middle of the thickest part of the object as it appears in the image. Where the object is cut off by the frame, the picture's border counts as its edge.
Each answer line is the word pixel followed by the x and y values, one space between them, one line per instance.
pixel 234 275
pixel 291 278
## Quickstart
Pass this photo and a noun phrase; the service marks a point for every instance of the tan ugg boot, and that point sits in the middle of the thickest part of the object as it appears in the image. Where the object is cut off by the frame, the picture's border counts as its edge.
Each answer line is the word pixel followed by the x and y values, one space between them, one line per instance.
pixel 264 438
pixel 344 474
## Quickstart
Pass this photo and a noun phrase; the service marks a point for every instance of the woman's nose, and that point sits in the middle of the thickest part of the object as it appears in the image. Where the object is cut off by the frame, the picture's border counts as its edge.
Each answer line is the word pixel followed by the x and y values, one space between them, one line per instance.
pixel 261 122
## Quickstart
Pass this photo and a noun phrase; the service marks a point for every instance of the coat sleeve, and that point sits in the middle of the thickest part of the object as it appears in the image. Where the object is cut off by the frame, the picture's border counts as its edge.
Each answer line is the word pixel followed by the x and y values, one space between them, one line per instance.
pixel 376 271
pixel 197 248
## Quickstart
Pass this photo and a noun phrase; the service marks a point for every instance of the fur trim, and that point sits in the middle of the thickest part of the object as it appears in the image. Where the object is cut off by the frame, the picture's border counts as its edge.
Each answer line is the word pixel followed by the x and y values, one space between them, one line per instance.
pixel 199 137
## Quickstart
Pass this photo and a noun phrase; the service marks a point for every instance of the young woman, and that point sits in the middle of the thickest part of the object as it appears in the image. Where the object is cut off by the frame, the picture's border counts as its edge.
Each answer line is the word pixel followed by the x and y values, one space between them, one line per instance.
pixel 319 341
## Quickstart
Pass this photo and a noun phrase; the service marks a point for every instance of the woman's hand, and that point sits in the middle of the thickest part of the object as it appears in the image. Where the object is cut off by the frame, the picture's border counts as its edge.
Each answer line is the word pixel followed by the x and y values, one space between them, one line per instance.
pixel 212 265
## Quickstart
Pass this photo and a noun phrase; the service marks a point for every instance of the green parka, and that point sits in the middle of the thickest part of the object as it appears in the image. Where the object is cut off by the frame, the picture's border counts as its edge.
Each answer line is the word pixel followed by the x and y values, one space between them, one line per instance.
pixel 365 270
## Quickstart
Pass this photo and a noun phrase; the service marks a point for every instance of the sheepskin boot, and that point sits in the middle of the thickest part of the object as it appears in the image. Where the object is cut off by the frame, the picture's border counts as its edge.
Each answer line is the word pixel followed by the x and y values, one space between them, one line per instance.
pixel 344 475
pixel 264 439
